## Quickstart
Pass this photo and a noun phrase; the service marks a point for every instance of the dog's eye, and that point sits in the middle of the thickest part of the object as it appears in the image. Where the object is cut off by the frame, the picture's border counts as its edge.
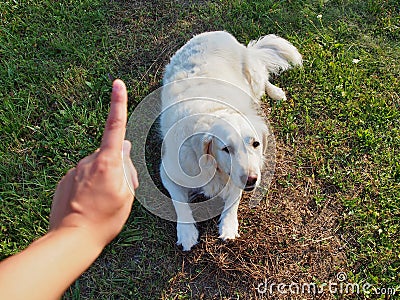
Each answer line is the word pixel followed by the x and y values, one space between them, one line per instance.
pixel 225 149
pixel 256 144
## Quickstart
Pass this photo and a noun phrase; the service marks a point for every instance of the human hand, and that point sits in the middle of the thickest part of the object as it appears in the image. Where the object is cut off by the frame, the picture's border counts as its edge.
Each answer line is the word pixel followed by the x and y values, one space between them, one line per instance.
pixel 94 197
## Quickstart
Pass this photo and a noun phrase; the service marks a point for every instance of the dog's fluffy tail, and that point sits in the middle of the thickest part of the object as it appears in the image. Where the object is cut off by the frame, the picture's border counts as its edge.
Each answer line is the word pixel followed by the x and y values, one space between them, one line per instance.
pixel 269 55
pixel 277 54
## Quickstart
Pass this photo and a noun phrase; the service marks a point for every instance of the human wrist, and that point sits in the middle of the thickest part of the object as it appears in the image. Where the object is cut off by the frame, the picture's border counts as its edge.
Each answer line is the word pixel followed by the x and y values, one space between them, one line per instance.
pixel 80 235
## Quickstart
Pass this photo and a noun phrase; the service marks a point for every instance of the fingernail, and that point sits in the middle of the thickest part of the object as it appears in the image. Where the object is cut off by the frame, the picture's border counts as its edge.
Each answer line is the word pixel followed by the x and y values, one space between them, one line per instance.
pixel 116 85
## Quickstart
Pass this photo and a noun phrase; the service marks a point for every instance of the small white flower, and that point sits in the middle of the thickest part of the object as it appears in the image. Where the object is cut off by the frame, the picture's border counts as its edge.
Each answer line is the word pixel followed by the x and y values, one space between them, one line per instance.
pixel 356 61
pixel 319 17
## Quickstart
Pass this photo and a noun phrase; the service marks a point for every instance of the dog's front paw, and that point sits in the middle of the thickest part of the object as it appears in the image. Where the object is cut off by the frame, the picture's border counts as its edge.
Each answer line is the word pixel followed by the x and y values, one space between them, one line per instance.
pixel 229 229
pixel 187 235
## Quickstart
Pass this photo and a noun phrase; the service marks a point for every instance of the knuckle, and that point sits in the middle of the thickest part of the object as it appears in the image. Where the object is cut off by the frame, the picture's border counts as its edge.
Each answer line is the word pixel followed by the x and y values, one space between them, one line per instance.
pixel 81 164
pixel 79 171
pixel 103 163
pixel 115 123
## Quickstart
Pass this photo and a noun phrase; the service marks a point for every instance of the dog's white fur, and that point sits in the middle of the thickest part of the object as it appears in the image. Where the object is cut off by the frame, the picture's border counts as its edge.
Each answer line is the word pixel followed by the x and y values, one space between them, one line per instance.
pixel 216 146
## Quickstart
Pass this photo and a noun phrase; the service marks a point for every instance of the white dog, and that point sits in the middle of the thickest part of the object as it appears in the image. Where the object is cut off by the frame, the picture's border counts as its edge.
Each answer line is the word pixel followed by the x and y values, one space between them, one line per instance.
pixel 213 139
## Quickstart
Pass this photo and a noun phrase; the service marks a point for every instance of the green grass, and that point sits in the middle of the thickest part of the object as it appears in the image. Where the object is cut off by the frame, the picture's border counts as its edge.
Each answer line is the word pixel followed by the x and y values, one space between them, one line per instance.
pixel 342 119
pixel 52 78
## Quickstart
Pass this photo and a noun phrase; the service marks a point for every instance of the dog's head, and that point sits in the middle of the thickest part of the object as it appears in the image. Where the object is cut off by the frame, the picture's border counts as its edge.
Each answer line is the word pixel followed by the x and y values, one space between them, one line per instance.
pixel 236 146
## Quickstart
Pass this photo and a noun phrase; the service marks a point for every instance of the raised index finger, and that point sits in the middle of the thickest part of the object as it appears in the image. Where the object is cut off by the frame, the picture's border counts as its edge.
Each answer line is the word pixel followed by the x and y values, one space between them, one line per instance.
pixel 114 131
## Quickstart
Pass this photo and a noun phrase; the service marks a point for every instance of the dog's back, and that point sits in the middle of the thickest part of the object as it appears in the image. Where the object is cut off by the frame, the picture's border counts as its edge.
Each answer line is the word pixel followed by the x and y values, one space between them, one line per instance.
pixel 210 54
pixel 219 55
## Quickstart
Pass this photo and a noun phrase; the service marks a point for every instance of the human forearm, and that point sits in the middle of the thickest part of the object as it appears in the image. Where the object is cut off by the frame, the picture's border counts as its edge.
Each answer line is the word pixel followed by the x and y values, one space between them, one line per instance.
pixel 49 265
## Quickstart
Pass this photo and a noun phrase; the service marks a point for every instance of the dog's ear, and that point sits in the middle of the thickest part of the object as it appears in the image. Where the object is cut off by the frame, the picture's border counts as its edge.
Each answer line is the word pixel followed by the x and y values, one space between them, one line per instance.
pixel 207 144
pixel 207 159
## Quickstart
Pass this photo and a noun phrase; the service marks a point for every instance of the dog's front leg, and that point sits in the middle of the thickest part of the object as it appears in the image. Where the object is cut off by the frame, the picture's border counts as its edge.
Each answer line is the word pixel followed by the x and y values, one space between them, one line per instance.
pixel 186 228
pixel 229 224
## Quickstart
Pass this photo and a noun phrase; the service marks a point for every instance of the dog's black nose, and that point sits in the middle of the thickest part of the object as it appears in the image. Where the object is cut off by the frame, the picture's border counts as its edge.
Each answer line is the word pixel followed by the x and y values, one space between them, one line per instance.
pixel 251 180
